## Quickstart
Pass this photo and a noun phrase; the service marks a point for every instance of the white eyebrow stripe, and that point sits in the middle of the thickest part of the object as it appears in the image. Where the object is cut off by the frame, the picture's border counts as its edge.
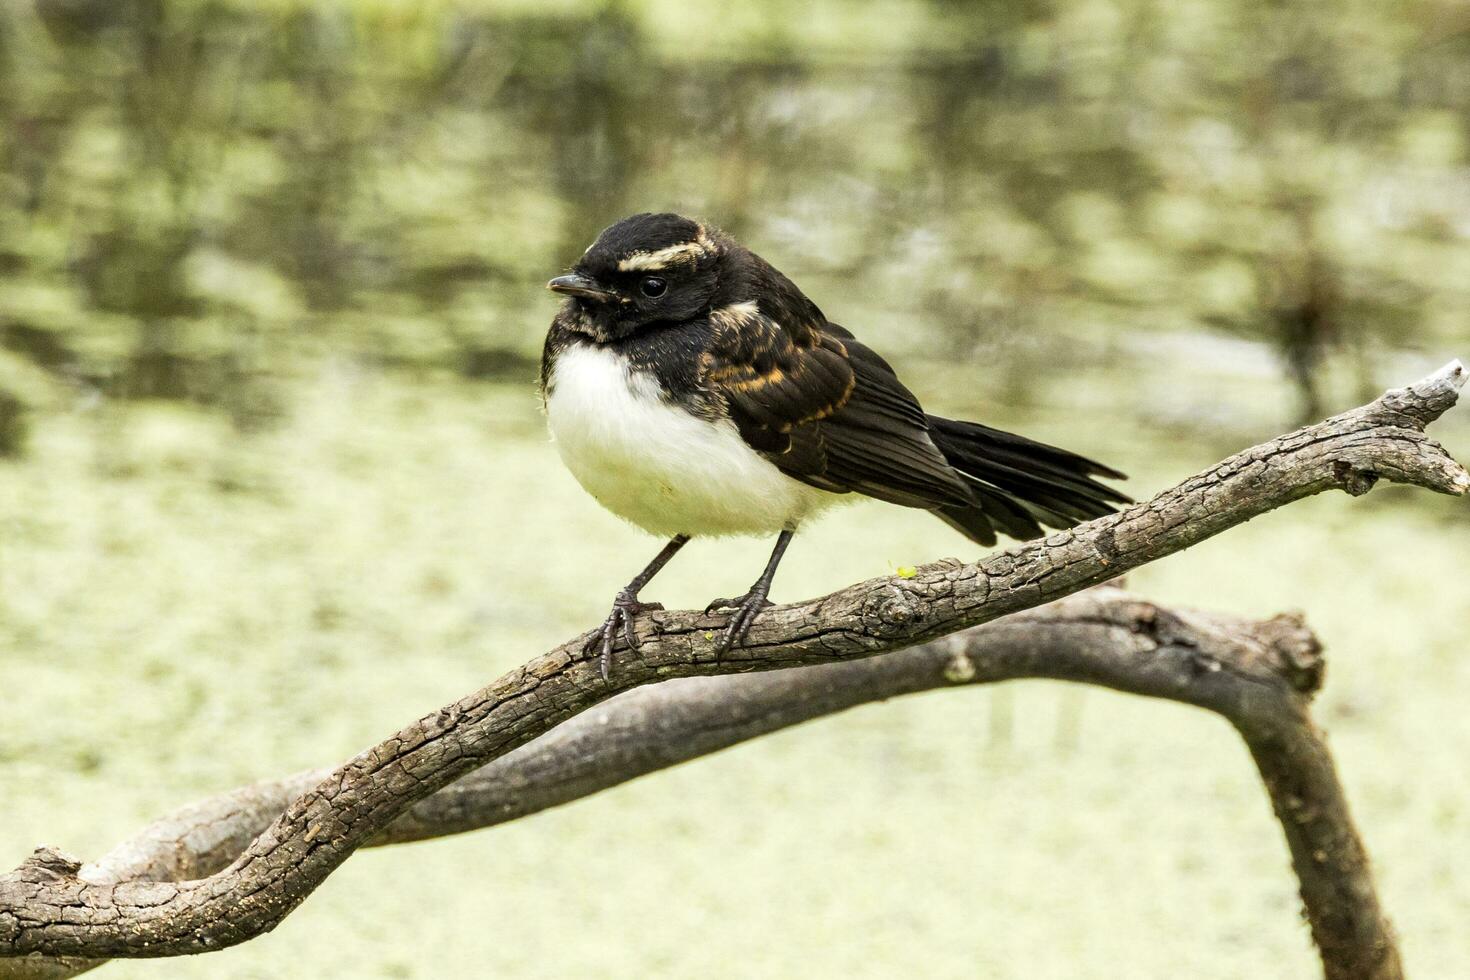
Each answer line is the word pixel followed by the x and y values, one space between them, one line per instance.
pixel 661 258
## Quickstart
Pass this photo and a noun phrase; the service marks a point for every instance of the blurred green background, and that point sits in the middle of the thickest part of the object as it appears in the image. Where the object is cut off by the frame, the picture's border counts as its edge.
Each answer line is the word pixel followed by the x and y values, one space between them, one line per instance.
pixel 274 481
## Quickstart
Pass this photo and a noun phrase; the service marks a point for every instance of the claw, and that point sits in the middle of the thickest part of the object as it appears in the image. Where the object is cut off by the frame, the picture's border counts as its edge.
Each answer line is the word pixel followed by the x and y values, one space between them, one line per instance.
pixel 744 611
pixel 624 611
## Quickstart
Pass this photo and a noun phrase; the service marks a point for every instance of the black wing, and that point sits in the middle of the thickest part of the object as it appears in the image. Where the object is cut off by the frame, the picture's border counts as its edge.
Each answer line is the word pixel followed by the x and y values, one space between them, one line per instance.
pixel 827 410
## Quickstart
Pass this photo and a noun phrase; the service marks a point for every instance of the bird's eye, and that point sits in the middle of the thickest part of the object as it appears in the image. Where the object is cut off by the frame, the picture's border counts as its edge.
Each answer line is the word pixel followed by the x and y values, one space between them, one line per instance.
pixel 652 286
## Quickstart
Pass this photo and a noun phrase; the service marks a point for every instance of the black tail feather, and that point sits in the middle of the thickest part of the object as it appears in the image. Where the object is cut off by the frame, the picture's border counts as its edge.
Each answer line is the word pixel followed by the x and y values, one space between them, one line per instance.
pixel 1022 485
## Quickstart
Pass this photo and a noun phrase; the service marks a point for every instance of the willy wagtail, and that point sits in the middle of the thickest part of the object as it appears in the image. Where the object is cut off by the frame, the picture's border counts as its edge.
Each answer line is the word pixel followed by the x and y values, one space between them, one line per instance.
pixel 692 389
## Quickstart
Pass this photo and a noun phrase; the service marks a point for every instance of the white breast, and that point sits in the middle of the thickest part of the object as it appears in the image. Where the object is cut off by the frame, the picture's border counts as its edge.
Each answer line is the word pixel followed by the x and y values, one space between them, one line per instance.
pixel 652 463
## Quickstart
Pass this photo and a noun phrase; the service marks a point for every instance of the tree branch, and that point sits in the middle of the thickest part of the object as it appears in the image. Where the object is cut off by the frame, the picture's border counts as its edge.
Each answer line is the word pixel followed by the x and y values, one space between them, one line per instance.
pixel 47 907
pixel 1102 636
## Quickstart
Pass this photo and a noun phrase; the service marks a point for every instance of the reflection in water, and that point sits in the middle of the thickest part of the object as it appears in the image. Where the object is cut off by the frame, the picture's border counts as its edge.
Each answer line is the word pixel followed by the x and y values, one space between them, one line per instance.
pixel 199 194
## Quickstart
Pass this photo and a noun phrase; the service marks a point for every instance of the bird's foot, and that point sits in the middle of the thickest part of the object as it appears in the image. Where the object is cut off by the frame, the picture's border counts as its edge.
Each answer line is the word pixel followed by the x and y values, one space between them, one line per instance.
pixel 625 610
pixel 743 609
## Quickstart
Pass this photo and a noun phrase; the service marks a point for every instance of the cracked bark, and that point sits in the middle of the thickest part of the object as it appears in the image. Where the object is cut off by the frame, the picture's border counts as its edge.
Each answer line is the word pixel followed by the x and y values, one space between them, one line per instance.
pixel 48 908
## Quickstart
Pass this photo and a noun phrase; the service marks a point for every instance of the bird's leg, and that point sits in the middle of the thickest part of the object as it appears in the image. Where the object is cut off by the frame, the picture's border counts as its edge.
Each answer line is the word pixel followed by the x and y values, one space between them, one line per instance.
pixel 744 609
pixel 626 607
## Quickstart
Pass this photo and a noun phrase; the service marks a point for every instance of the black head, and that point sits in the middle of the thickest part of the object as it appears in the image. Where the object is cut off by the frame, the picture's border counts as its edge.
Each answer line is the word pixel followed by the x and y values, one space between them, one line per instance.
pixel 644 270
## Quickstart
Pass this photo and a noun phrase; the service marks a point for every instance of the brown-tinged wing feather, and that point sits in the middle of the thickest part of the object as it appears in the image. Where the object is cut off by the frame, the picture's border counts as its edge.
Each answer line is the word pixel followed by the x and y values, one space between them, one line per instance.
pixel 827 410
pixel 772 383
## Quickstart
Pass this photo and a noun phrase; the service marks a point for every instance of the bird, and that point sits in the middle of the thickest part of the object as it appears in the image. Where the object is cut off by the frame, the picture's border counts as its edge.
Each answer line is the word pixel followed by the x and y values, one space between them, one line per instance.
pixel 693 390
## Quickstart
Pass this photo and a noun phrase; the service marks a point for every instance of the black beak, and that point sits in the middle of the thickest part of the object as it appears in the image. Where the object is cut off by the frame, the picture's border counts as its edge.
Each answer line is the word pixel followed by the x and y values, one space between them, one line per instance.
pixel 576 284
